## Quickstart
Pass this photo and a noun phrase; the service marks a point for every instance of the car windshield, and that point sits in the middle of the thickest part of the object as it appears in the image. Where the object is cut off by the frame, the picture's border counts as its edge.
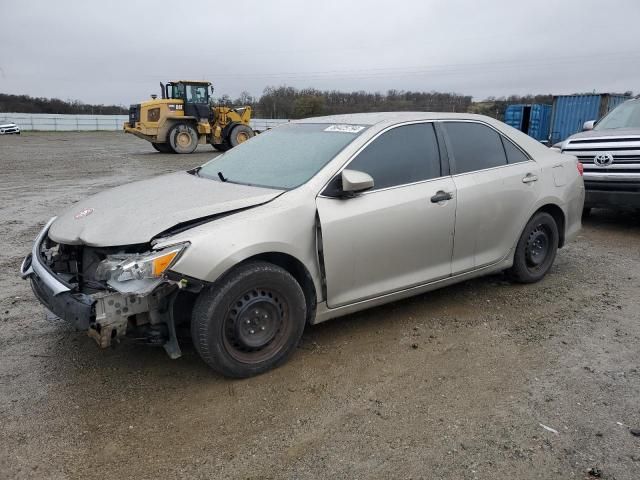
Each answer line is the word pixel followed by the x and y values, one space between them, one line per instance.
pixel 284 157
pixel 626 115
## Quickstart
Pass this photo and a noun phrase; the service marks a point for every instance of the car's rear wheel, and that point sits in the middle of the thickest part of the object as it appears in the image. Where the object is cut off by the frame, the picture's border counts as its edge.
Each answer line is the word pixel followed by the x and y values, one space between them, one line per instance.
pixel 536 249
pixel 250 321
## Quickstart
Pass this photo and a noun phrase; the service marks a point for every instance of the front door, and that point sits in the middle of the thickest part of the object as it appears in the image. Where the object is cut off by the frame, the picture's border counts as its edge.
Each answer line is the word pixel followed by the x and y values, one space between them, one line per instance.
pixel 394 236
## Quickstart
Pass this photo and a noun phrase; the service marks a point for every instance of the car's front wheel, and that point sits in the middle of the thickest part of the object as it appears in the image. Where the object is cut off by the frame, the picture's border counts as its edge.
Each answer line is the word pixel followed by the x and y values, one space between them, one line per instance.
pixel 536 249
pixel 250 321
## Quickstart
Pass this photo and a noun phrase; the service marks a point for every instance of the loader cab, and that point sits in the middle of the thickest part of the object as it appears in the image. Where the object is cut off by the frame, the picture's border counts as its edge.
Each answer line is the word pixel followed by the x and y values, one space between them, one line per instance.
pixel 195 96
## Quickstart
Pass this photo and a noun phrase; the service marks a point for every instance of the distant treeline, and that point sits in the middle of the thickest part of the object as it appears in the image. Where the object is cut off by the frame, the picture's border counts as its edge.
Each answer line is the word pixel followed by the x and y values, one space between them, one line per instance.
pixel 27 104
pixel 290 102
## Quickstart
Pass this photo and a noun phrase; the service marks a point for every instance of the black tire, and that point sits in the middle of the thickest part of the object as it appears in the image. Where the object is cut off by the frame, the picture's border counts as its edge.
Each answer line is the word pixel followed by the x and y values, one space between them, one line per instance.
pixel 250 321
pixel 162 147
pixel 239 134
pixel 536 249
pixel 183 138
pixel 221 147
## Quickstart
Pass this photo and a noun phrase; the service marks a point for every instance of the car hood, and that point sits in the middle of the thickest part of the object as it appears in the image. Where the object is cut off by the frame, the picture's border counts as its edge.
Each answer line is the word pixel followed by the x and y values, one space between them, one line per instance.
pixel 4 125
pixel 614 132
pixel 136 212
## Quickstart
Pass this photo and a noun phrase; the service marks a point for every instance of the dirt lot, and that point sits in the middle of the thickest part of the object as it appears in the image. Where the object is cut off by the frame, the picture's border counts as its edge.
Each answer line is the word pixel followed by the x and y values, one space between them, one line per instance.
pixel 454 384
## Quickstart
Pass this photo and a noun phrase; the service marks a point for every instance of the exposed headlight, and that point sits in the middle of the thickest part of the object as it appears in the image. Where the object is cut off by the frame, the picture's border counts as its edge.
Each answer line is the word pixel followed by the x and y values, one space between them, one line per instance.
pixel 134 266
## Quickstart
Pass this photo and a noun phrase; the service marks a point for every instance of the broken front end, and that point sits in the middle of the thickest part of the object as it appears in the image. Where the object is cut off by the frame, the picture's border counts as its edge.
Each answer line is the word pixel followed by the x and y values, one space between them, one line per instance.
pixel 111 292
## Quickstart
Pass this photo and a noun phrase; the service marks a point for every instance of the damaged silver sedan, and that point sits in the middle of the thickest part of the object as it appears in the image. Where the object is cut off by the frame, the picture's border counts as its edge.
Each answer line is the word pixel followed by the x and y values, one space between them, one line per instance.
pixel 309 221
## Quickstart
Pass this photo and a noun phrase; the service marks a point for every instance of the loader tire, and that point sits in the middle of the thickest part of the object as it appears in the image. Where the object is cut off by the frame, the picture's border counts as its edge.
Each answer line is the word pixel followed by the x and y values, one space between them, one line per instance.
pixel 162 147
pixel 221 147
pixel 183 138
pixel 239 134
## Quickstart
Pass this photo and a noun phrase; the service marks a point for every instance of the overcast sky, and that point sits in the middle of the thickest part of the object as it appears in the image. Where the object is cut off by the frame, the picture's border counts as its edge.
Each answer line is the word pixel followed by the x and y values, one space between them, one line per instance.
pixel 118 51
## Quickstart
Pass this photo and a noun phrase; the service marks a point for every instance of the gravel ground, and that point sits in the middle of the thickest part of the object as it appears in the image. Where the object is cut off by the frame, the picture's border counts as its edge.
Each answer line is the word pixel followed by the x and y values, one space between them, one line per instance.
pixel 453 384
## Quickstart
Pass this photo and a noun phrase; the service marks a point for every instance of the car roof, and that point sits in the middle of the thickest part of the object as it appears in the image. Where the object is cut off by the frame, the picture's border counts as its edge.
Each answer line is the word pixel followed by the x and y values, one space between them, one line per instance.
pixel 377 121
pixel 375 118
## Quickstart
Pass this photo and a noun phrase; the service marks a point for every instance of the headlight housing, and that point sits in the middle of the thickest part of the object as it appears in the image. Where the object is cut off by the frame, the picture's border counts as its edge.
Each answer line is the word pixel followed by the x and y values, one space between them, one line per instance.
pixel 135 266
pixel 153 114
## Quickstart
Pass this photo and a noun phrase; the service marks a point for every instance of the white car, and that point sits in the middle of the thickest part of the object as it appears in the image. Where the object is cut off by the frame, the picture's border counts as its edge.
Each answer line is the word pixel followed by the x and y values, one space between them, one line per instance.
pixel 7 128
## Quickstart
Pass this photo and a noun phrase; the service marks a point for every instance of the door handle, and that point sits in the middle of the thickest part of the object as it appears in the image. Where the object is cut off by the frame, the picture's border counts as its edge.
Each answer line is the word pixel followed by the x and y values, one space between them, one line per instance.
pixel 441 196
pixel 530 177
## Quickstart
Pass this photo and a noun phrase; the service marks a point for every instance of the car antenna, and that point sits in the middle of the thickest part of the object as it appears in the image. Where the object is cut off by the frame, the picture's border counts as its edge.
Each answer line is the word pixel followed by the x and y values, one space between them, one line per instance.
pixel 221 177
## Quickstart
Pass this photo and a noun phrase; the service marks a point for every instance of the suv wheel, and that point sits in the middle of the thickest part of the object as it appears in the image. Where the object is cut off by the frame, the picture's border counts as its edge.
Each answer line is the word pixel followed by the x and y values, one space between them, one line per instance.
pixel 250 321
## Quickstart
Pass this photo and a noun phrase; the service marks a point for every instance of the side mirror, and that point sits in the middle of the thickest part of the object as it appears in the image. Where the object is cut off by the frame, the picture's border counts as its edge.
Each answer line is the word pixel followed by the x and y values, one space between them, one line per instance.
pixel 588 125
pixel 354 181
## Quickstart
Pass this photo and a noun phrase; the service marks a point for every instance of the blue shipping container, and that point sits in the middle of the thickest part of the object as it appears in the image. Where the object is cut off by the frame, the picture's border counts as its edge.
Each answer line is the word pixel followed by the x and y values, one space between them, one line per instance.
pixel 539 121
pixel 571 111
pixel 534 120
pixel 513 116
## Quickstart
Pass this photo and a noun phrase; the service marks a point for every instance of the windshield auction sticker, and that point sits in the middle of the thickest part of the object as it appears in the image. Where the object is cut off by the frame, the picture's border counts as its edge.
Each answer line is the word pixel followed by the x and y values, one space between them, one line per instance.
pixel 344 128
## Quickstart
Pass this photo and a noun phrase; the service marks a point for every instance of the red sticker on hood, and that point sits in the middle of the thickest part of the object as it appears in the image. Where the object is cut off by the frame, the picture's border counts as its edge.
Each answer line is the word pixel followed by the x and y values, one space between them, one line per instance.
pixel 83 213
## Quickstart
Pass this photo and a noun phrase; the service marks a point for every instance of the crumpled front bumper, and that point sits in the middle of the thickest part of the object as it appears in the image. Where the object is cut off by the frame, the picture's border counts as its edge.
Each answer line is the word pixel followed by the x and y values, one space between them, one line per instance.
pixel 54 293
pixel 104 315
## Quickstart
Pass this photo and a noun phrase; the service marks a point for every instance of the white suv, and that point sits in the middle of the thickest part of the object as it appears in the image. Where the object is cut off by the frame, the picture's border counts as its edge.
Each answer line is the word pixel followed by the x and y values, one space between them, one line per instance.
pixel 7 128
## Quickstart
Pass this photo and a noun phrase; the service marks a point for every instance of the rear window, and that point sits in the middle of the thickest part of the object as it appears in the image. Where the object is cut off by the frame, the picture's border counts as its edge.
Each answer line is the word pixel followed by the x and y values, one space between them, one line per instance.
pixel 474 146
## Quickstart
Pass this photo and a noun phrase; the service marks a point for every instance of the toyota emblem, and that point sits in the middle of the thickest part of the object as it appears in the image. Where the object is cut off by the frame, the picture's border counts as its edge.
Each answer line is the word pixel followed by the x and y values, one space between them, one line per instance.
pixel 603 159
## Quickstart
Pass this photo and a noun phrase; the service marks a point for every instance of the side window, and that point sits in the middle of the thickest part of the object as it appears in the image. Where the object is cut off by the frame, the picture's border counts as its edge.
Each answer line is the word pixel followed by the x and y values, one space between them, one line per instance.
pixel 405 154
pixel 475 146
pixel 514 154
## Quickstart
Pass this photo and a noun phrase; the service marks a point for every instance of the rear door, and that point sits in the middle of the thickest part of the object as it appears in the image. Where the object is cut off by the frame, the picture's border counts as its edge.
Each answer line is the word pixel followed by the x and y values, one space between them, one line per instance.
pixel 392 237
pixel 497 185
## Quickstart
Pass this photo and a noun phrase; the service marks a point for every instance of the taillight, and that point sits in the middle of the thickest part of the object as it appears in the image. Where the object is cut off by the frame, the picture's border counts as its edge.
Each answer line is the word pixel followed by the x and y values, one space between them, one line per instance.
pixel 580 168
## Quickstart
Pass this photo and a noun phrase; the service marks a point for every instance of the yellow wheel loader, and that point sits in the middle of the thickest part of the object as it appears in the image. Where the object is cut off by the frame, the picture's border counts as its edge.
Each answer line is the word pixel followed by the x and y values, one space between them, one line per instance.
pixel 184 117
